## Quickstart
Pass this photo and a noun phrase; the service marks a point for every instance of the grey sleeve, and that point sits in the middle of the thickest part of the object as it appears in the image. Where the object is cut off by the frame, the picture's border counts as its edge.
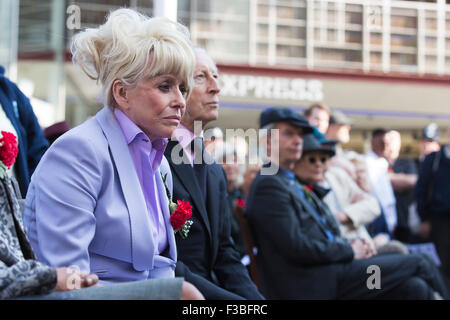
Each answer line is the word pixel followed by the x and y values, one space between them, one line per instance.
pixel 25 277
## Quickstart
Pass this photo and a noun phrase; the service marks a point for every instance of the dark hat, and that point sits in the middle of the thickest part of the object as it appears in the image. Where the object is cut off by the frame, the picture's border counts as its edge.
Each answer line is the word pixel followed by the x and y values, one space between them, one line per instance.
pixel 431 132
pixel 338 117
pixel 310 143
pixel 273 115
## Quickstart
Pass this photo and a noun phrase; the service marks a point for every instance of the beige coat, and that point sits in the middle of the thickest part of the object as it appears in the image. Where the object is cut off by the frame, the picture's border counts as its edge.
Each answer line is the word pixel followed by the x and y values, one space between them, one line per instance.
pixel 361 212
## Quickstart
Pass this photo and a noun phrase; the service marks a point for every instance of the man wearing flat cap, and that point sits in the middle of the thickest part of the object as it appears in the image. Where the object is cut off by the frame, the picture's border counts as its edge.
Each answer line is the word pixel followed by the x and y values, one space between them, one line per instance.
pixel 301 254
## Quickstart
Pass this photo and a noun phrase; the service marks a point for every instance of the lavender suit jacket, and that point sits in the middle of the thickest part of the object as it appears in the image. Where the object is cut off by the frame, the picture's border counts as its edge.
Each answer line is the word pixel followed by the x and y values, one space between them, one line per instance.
pixel 85 206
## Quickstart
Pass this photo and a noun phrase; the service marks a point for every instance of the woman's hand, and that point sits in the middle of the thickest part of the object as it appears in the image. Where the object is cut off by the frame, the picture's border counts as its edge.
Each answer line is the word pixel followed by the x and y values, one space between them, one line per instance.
pixel 190 292
pixel 71 279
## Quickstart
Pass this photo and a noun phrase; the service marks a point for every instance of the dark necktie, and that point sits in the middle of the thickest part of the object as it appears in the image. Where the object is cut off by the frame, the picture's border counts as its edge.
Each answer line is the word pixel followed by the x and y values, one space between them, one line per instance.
pixel 198 147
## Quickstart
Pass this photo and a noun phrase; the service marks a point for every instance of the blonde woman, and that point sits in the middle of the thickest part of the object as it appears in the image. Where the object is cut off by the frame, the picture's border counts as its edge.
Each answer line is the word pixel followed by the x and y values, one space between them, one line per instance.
pixel 97 200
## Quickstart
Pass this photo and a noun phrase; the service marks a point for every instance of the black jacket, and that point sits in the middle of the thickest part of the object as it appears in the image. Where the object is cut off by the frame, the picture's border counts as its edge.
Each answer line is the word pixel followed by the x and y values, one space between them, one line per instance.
pixel 208 253
pixel 432 190
pixel 295 258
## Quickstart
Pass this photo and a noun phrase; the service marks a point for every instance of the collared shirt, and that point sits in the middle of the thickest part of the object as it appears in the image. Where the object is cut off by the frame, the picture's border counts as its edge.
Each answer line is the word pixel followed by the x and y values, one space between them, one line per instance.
pixel 185 136
pixel 381 187
pixel 147 158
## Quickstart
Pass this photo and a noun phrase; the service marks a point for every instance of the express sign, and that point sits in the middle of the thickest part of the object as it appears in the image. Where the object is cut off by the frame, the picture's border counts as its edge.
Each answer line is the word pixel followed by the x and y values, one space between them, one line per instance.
pixel 271 88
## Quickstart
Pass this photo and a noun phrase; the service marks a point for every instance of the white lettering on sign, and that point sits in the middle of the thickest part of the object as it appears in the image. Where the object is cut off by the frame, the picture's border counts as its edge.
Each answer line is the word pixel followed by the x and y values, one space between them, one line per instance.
pixel 271 88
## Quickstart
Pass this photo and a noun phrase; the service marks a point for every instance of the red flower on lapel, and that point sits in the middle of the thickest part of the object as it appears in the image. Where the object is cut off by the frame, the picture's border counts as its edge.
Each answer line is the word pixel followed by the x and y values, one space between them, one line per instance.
pixel 8 151
pixel 180 213
pixel 240 203
pixel 179 217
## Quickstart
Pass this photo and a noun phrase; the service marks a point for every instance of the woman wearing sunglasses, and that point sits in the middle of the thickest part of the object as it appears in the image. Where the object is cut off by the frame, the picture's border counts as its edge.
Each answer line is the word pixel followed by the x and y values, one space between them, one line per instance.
pixel 310 171
pixel 351 206
pixel 314 161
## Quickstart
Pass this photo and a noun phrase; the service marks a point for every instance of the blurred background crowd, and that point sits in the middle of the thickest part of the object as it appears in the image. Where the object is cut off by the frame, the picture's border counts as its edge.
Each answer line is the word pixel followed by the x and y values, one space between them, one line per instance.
pixel 381 63
pixel 371 76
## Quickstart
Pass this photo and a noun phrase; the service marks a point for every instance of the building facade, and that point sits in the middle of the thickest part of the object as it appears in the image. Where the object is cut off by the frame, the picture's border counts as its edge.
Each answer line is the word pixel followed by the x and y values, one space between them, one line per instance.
pixel 382 62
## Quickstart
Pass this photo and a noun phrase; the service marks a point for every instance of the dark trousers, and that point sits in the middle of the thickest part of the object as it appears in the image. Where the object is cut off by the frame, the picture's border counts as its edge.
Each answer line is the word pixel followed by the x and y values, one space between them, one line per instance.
pixel 402 276
pixel 440 235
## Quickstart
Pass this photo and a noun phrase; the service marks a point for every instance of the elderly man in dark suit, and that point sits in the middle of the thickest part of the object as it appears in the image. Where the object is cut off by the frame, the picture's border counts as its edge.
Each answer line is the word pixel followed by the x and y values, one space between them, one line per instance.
pixel 301 254
pixel 207 256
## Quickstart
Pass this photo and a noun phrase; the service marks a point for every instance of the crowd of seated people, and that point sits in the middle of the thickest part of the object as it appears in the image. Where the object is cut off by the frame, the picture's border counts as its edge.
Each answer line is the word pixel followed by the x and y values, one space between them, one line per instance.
pixel 150 205
pixel 299 239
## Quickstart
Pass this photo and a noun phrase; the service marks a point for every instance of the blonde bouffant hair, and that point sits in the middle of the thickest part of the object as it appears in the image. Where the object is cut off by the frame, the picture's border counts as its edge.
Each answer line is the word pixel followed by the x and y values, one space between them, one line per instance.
pixel 129 47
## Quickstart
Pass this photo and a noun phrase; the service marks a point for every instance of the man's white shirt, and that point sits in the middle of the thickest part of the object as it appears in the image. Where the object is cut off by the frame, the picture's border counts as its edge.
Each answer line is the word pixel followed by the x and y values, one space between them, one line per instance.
pixel 381 187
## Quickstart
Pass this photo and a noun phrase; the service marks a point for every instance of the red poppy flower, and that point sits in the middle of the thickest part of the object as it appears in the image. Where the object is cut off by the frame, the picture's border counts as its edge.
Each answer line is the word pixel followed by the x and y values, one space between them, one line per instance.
pixel 8 149
pixel 240 203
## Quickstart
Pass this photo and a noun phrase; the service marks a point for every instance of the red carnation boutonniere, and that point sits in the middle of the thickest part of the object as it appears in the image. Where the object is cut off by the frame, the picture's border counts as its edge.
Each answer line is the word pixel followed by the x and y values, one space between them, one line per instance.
pixel 8 151
pixel 180 213
pixel 179 217
pixel 240 203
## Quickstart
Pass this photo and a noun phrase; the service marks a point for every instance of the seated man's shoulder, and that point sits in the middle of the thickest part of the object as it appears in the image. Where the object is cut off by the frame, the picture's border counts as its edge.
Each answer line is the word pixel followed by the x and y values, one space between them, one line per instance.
pixel 265 181
pixel 272 177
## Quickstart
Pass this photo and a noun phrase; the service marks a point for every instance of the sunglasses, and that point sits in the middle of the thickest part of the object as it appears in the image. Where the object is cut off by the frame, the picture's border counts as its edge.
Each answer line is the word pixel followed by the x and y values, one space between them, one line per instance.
pixel 313 160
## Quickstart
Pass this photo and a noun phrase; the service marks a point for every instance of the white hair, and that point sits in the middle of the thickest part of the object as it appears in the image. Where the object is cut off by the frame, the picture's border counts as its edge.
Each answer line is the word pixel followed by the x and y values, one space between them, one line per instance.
pixel 394 135
pixel 129 47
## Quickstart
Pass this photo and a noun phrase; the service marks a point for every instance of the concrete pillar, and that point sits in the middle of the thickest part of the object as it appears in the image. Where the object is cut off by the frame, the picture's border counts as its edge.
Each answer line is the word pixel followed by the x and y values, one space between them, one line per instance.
pixel 9 35
pixel 165 8
pixel 57 87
